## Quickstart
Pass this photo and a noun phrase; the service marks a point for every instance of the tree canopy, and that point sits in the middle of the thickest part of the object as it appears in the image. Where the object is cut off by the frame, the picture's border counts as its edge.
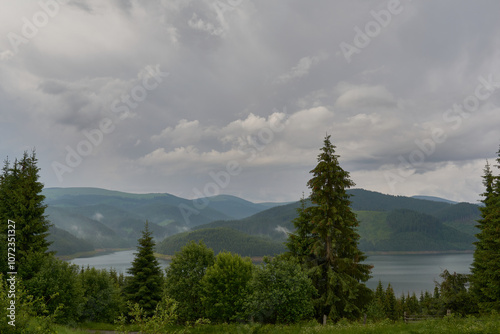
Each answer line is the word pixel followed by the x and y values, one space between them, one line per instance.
pixel 21 201
pixel 486 266
pixel 145 287
pixel 326 240
pixel 183 282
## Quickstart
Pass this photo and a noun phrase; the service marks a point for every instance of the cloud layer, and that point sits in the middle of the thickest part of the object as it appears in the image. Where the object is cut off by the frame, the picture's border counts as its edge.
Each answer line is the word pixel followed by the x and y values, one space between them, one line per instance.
pixel 167 96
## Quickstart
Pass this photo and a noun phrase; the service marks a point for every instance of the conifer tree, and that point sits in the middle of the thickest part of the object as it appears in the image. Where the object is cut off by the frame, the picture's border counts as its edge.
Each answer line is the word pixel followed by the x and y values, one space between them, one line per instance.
pixel 485 277
pixel 326 241
pixel 390 303
pixel 21 201
pixel 145 287
pixel 379 292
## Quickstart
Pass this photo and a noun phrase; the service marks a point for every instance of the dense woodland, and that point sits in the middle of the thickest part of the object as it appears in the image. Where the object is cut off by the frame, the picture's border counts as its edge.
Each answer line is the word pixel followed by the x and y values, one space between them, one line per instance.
pixel 320 274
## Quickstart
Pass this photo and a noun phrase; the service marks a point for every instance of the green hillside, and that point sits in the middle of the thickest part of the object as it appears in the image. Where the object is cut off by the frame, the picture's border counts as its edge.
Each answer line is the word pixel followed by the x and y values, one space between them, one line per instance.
pixel 154 207
pixel 113 219
pixel 364 200
pixel 64 243
pixel 222 239
pixel 92 231
pixel 462 216
pixel 387 223
pixel 55 193
pixel 407 230
pixel 235 207
pixel 272 222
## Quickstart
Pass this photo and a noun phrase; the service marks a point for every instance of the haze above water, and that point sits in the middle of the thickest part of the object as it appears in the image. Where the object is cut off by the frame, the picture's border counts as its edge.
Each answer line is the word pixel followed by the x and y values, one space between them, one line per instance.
pixel 406 273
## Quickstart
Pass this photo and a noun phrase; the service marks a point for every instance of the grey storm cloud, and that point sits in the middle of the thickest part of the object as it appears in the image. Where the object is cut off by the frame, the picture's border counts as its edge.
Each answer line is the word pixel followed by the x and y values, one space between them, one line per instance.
pixel 253 83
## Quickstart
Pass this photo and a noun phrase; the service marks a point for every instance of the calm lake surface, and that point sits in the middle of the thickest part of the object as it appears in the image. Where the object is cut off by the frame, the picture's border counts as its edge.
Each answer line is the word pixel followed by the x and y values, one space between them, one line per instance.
pixel 119 261
pixel 406 273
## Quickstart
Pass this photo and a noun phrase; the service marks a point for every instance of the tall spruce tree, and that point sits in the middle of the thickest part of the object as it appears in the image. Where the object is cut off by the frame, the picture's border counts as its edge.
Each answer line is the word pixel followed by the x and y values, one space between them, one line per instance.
pixel 21 201
pixel 145 287
pixel 485 277
pixel 326 241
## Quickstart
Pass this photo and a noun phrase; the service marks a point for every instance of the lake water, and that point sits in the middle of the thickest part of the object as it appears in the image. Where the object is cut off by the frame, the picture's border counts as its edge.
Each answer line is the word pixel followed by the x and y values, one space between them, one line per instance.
pixel 119 261
pixel 406 273
pixel 415 273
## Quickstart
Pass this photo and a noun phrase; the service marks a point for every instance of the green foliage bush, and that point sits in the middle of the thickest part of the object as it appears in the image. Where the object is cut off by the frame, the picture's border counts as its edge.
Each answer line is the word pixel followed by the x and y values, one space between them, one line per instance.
pixel 281 292
pixel 59 285
pixel 103 299
pixel 183 279
pixel 454 295
pixel 31 314
pixel 225 287
pixel 158 322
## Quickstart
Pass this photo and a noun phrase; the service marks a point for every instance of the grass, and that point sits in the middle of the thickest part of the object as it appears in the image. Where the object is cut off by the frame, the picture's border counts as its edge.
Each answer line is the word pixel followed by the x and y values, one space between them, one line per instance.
pixel 448 325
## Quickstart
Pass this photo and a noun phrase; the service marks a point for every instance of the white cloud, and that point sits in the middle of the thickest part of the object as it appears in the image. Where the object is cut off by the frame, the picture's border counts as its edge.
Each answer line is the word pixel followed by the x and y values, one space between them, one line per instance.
pixel 283 230
pixel 302 68
pixel 98 216
pixel 197 23
pixel 363 96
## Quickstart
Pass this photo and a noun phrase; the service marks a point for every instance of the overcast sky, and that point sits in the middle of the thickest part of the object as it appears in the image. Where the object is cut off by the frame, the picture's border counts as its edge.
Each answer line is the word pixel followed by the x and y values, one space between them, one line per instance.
pixel 197 98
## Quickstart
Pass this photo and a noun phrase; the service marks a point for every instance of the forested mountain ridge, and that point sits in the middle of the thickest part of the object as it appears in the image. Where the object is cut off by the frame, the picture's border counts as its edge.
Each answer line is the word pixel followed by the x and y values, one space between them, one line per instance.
pixel 387 223
pixel 223 239
pixel 112 219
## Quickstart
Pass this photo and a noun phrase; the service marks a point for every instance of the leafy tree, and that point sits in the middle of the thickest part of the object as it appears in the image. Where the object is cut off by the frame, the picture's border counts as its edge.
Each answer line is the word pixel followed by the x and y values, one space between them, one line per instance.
pixel 454 293
pixel 486 265
pixel 31 314
pixel 225 287
pixel 281 292
pixel 22 202
pixel 183 282
pixel 145 287
pixel 326 241
pixel 58 285
pixel 103 300
pixel 159 321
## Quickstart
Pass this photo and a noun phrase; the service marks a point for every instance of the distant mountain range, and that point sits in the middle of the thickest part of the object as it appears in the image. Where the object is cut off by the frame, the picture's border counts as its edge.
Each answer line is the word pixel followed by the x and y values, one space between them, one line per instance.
pixel 113 219
pixel 97 218
pixel 435 199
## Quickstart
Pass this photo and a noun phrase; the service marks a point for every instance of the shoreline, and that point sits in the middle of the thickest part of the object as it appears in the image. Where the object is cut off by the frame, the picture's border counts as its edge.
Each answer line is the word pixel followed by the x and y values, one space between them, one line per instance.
pixel 94 253
pixel 104 251
pixel 170 257
pixel 419 252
